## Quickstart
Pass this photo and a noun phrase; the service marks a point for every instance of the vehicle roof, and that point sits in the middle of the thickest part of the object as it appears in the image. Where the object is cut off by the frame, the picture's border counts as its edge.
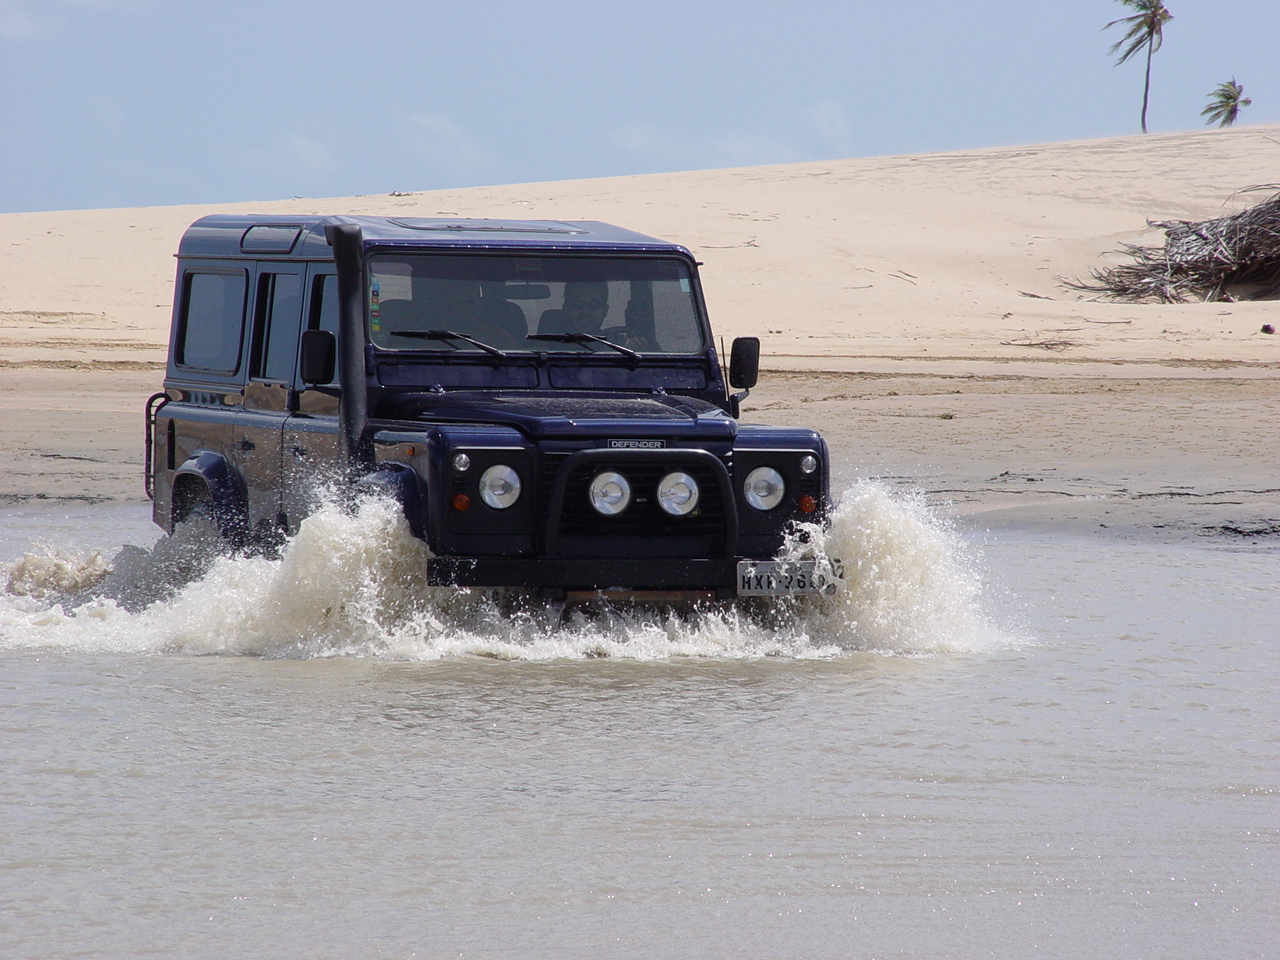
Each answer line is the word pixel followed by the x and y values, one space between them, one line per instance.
pixel 303 238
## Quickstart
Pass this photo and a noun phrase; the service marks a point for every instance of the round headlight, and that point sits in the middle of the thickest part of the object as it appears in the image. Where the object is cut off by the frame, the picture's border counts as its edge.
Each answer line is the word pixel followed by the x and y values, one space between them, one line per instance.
pixel 500 486
pixel 678 494
pixel 610 493
pixel 764 488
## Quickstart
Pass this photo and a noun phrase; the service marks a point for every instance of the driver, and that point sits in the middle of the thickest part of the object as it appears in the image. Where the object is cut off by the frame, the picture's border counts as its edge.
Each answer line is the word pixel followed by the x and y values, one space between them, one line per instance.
pixel 586 304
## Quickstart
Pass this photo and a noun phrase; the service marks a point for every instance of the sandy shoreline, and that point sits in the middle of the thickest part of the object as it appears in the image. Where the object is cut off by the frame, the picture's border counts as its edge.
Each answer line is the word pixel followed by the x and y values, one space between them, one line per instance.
pixel 1164 458
pixel 911 308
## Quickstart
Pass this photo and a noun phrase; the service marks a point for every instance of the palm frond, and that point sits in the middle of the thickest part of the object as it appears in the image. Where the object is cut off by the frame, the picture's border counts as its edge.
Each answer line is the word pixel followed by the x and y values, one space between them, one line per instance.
pixel 1142 29
pixel 1228 258
pixel 1225 103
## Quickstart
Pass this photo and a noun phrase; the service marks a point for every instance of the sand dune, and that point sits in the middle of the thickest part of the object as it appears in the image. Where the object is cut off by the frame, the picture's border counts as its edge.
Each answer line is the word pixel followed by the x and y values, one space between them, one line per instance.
pixel 871 263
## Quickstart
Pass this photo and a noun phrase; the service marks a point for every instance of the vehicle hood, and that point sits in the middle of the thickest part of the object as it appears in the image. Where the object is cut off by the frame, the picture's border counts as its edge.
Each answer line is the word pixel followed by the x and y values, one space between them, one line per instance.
pixel 580 415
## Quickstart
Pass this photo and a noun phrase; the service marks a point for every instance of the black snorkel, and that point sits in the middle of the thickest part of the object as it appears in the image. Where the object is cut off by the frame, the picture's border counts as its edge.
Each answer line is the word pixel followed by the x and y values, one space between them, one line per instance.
pixel 347 242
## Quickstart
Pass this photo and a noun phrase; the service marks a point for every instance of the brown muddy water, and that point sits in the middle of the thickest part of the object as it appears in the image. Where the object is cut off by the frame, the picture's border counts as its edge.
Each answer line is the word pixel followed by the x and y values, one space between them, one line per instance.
pixel 1013 744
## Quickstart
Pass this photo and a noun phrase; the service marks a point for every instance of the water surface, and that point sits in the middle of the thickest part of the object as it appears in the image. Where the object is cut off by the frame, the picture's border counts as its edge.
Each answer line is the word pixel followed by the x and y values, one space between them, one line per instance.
pixel 1014 745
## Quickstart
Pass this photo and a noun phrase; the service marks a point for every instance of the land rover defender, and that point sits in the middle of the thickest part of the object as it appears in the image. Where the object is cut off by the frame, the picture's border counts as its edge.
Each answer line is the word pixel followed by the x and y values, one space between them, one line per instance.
pixel 543 398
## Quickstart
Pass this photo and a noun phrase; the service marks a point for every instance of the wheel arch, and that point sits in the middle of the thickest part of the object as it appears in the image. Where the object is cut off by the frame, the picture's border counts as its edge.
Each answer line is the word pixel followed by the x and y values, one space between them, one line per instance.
pixel 207 476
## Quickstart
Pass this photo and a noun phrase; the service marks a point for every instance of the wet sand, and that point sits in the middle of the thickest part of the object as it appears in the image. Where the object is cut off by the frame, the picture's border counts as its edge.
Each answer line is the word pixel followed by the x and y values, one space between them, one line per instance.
pixel 1160 457
pixel 1154 457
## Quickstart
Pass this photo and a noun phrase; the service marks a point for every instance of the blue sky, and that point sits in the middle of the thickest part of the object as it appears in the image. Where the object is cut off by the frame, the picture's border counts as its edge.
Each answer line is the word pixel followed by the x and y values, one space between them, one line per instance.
pixel 140 102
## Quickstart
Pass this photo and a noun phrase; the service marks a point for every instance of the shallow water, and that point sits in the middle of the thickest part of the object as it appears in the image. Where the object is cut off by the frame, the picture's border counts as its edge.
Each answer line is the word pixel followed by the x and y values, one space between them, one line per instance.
pixel 1006 745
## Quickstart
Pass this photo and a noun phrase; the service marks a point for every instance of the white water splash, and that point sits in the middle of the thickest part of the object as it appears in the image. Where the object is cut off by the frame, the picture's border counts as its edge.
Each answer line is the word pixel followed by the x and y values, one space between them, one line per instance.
pixel 911 586
pixel 351 584
pixel 53 573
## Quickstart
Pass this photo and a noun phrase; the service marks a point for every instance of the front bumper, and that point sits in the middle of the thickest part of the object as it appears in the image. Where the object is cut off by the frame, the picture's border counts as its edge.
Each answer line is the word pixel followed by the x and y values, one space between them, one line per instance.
pixel 586 573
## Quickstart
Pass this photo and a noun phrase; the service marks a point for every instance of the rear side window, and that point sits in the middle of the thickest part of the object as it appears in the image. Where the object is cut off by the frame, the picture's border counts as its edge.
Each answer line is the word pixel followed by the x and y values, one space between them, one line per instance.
pixel 279 311
pixel 212 322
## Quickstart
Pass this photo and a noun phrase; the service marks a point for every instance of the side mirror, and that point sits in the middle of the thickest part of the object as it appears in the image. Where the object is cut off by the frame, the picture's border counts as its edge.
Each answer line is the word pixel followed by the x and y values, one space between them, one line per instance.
pixel 744 363
pixel 319 356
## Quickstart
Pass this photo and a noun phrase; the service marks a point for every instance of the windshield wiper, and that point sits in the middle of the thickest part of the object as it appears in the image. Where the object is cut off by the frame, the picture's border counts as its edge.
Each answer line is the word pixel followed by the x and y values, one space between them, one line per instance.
pixel 585 338
pixel 450 335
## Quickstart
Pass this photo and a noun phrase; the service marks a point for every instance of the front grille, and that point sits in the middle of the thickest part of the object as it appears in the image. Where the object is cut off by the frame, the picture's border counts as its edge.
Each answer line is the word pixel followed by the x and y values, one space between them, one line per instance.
pixel 548 466
pixel 643 519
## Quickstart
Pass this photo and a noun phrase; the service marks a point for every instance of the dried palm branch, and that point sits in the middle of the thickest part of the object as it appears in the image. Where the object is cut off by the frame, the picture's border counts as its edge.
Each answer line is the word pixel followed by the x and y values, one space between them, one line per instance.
pixel 1236 257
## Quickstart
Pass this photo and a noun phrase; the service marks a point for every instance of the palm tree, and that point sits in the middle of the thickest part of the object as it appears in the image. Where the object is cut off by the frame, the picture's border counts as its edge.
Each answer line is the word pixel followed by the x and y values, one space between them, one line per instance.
pixel 1144 29
pixel 1225 103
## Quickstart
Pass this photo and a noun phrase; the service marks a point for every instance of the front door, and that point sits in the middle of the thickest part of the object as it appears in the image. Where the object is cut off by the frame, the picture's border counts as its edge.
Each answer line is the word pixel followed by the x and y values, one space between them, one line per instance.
pixel 310 451
pixel 269 397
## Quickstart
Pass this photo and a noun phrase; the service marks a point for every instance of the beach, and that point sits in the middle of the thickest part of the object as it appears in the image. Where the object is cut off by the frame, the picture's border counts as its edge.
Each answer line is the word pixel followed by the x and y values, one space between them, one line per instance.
pixel 913 308
pixel 1164 456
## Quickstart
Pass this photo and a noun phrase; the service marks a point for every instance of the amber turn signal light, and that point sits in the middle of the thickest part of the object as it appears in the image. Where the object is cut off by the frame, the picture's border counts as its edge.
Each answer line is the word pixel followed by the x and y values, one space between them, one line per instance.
pixel 461 502
pixel 807 504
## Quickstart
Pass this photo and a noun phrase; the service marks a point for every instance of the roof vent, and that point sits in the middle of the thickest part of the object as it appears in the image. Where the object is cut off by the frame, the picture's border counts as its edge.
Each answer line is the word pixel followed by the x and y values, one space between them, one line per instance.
pixel 270 238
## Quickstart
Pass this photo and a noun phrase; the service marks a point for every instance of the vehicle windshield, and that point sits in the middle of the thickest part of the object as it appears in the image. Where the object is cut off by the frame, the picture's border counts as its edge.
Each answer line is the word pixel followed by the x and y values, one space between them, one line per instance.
pixel 493 303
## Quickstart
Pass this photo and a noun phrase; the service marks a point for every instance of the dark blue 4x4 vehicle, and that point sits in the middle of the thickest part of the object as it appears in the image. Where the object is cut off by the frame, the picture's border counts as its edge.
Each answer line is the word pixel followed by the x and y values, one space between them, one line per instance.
pixel 543 398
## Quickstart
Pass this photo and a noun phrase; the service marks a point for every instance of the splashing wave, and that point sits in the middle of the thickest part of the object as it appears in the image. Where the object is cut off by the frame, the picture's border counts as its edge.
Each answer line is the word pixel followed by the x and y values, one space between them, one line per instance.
pixel 350 584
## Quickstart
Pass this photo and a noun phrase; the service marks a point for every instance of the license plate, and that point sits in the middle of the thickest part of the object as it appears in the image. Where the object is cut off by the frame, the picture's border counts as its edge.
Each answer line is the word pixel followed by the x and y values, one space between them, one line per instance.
pixel 788 578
